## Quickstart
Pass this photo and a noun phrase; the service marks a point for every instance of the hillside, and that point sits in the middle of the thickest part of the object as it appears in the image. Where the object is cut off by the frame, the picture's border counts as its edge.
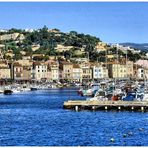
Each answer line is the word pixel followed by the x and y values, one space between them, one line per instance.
pixel 21 44
pixel 48 42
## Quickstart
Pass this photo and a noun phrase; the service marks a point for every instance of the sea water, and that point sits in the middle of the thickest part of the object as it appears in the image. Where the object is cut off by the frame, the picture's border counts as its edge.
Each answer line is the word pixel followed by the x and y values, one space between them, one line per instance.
pixel 37 118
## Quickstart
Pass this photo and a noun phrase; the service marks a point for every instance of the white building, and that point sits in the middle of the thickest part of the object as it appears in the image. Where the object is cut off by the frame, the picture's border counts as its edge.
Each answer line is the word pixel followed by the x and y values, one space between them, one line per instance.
pixel 39 71
pixel 99 72
pixel 140 73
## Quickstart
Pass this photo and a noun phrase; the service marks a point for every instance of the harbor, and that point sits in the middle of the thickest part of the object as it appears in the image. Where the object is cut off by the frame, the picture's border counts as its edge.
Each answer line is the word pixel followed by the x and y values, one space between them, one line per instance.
pixel 73 74
pixel 122 96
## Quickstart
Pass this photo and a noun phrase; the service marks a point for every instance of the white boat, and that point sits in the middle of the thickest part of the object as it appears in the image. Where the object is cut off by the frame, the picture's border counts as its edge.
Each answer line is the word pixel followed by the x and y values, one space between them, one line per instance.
pixel 1 91
pixel 100 96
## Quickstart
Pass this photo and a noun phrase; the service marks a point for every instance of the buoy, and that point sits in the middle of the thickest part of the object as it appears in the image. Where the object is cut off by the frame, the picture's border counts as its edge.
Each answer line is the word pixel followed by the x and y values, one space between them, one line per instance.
pixel 141 129
pixel 130 133
pixel 119 107
pixel 132 108
pixel 124 135
pixel 112 140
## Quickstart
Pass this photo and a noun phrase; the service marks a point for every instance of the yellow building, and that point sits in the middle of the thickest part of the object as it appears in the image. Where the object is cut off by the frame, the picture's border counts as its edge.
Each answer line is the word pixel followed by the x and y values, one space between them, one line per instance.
pixel 77 73
pixel 86 71
pixel 4 70
pixel 117 70
pixel 67 70
pixel 52 70
pixel 130 71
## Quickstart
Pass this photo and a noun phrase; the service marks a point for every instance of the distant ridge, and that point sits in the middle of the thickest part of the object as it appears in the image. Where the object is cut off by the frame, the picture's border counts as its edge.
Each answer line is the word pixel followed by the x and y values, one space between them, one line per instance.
pixel 142 46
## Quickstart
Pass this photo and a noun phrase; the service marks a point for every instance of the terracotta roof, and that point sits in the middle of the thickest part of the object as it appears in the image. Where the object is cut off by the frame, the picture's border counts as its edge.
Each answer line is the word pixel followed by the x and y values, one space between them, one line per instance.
pixel 4 68
pixel 39 63
pixel 66 63
pixel 2 62
pixel 76 66
pixel 115 62
pixel 17 64
pixel 36 63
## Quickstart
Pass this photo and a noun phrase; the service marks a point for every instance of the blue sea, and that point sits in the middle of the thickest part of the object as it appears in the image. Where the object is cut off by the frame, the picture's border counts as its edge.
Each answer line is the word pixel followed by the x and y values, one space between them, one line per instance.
pixel 37 118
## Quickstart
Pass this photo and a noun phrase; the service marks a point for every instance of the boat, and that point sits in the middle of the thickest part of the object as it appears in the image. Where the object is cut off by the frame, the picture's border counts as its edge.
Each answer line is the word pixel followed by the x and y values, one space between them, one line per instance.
pixel 91 91
pixel 1 92
pixel 8 92
pixel 100 95
pixel 33 88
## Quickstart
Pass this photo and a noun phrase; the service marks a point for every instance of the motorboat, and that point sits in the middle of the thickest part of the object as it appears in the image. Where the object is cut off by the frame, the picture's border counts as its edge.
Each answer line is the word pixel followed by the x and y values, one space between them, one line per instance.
pixel 8 92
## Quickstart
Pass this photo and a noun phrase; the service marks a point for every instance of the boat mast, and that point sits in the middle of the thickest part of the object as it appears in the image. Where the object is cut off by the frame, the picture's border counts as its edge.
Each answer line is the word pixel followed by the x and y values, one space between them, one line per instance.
pixel 106 62
pixel 126 64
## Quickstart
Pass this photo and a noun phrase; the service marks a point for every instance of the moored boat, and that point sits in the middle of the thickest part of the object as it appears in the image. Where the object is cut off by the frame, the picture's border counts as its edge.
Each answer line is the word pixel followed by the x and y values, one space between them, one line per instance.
pixel 33 88
pixel 8 92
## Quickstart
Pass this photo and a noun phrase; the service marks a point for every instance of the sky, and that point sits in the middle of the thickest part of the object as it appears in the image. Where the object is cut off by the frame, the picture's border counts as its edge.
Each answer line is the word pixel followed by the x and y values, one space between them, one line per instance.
pixel 112 22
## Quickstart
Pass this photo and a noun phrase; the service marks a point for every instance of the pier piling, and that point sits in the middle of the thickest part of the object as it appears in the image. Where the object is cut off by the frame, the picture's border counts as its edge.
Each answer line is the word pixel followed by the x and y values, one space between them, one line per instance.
pixel 76 108
pixel 93 107
pixel 106 107
pixel 142 108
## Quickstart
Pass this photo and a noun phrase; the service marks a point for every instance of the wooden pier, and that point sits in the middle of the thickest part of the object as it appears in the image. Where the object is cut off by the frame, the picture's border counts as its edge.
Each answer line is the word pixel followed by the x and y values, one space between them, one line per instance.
pixel 106 105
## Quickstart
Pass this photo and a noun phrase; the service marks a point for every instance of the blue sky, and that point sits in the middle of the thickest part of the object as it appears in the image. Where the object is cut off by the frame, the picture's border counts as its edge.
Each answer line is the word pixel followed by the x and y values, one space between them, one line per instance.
pixel 113 22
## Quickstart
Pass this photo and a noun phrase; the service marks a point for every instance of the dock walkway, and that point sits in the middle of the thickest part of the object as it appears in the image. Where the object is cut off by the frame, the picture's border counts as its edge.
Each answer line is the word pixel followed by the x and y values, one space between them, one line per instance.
pixel 106 105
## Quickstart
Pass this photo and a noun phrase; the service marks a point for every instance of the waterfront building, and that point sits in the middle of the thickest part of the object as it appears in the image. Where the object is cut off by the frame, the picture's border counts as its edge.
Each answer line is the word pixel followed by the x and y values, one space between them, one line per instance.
pixel 129 69
pixel 53 70
pixel 26 73
pixel 117 70
pixel 67 70
pixel 86 71
pixel 77 73
pixel 143 63
pixel 17 71
pixel 4 70
pixel 140 73
pixel 99 71
pixel 22 70
pixel 39 71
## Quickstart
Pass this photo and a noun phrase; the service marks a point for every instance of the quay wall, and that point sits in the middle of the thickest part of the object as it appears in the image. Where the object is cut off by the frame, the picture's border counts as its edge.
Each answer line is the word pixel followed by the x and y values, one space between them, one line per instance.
pixel 106 105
